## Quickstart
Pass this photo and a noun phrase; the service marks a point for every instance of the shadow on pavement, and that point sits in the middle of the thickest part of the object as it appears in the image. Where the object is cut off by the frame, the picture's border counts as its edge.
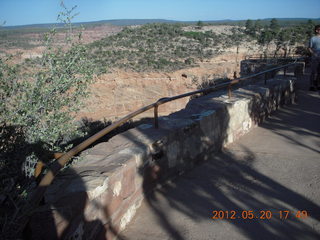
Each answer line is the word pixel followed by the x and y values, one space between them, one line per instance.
pixel 228 183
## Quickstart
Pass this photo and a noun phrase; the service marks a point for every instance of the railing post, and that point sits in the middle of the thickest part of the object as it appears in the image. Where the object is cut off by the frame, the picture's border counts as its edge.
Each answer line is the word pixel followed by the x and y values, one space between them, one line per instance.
pixel 285 71
pixel 156 123
pixel 229 91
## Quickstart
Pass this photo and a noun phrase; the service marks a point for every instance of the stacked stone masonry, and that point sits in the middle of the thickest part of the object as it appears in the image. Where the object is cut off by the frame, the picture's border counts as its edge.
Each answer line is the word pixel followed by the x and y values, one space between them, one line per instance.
pixel 98 197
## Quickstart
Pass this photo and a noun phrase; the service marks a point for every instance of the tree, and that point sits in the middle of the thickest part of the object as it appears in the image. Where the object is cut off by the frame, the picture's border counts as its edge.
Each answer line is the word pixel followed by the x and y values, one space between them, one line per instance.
pixel 238 37
pixel 42 101
pixel 250 29
pixel 283 40
pixel 200 24
pixel 37 109
pixel 310 27
pixel 274 26
pixel 257 25
pixel 265 39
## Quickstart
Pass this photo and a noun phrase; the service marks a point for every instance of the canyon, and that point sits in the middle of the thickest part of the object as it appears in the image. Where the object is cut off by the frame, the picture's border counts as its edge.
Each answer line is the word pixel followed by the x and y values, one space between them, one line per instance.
pixel 118 92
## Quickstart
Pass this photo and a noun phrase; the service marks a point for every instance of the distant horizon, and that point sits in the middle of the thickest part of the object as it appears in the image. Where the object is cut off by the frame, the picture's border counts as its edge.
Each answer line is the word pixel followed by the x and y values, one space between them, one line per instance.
pixel 33 12
pixel 158 19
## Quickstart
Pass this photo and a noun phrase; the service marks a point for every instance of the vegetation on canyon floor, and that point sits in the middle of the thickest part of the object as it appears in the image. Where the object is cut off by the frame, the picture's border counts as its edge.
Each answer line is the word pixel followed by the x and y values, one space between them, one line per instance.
pixel 169 47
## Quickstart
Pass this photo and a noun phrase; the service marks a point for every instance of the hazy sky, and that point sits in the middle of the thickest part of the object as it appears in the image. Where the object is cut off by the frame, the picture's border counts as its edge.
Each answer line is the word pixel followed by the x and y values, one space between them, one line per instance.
pixel 20 12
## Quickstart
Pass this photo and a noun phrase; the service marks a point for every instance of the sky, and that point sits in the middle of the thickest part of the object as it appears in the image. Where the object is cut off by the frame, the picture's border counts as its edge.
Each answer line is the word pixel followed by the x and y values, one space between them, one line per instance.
pixel 23 12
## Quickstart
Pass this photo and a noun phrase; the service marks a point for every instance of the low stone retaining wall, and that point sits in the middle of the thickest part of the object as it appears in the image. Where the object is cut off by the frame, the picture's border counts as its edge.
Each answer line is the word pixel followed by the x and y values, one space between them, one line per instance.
pixel 98 197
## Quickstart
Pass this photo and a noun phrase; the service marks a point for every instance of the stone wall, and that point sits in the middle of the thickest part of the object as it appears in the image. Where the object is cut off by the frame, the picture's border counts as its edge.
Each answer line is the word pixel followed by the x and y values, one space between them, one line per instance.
pixel 98 197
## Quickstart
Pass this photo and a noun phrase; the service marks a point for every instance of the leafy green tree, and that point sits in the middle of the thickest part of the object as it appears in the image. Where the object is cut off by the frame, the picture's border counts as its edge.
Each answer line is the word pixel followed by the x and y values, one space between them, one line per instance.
pixel 249 28
pixel 37 109
pixel 258 25
pixel 274 26
pixel 310 27
pixel 265 39
pixel 283 40
pixel 200 24
pixel 42 101
pixel 8 87
pixel 238 38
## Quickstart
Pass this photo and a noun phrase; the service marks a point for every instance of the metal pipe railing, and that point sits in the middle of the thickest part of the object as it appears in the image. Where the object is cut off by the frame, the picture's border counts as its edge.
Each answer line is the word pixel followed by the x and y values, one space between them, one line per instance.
pixel 271 56
pixel 217 87
pixel 60 162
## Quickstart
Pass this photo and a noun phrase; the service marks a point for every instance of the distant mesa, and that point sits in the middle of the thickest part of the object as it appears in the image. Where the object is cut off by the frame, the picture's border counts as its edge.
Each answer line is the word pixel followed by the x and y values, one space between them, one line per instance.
pixel 128 22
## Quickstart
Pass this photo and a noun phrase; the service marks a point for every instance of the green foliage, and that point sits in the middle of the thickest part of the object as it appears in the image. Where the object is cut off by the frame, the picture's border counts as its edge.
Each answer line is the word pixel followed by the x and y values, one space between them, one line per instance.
pixel 50 94
pixel 250 28
pixel 274 25
pixel 237 36
pixel 167 47
pixel 37 108
pixel 200 24
pixel 285 38
pixel 8 87
pixel 265 37
pixel 39 103
pixel 46 104
pixel 156 47
pixel 310 26
pixel 189 61
pixel 258 25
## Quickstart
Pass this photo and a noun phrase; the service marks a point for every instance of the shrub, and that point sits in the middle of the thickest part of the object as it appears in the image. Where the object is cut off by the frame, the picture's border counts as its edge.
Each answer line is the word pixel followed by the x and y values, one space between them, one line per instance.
pixel 37 108
pixel 49 96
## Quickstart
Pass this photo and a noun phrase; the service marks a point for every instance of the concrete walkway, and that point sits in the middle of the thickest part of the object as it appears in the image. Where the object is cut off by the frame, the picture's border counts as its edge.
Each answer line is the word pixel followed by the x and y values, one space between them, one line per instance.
pixel 273 169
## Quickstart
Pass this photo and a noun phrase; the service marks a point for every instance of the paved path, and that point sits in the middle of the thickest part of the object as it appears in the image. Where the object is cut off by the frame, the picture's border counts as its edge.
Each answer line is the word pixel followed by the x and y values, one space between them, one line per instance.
pixel 275 168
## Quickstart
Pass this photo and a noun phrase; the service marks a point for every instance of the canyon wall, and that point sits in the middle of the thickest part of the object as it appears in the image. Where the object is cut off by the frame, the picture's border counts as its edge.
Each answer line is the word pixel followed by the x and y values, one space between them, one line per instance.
pixel 118 93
